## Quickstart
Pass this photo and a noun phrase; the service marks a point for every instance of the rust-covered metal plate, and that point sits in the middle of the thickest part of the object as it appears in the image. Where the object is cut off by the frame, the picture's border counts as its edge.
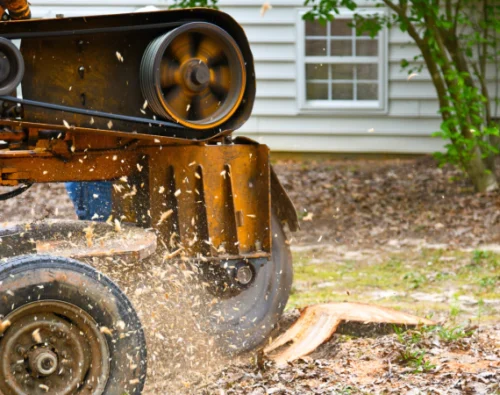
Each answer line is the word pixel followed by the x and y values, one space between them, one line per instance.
pixel 211 200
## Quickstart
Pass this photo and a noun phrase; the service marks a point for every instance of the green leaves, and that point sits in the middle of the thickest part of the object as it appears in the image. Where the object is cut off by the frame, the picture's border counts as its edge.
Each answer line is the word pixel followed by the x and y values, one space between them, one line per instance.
pixel 324 10
pixel 455 44
pixel 195 3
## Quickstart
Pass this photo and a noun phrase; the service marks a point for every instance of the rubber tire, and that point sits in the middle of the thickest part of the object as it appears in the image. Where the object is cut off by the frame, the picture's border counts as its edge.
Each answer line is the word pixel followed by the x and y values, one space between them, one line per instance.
pixel 24 275
pixel 265 300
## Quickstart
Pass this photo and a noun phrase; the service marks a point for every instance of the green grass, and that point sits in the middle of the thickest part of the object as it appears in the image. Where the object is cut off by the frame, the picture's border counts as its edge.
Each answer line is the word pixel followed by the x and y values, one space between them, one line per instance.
pixel 416 343
pixel 455 276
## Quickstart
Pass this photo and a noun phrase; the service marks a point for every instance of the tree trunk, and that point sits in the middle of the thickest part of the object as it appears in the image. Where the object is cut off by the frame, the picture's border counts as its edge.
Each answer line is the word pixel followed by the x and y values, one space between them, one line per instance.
pixel 483 178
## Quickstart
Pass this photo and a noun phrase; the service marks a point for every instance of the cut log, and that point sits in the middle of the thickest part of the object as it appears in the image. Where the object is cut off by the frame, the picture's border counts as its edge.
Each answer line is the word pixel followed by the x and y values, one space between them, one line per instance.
pixel 318 323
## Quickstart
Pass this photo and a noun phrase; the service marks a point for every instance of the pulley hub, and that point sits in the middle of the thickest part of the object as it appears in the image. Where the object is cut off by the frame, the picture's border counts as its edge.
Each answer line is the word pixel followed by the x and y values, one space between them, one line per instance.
pixel 196 75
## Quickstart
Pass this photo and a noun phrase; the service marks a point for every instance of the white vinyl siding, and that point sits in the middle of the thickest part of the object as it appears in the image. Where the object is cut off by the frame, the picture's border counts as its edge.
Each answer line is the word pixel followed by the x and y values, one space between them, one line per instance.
pixel 404 125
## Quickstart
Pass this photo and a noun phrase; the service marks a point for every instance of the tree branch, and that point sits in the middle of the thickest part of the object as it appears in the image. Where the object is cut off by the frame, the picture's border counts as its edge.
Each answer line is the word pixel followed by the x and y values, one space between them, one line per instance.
pixel 392 6
pixel 448 8
pixel 401 12
pixel 455 18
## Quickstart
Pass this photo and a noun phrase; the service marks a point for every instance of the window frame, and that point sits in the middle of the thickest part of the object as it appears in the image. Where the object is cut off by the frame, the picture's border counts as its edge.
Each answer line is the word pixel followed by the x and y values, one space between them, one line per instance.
pixel 379 106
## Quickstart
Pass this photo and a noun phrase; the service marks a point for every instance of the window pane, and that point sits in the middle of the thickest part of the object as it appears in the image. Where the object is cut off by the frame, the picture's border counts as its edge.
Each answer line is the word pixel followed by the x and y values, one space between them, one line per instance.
pixel 342 92
pixel 340 27
pixel 315 47
pixel 342 71
pixel 366 47
pixel 367 72
pixel 316 71
pixel 317 91
pixel 341 48
pixel 314 28
pixel 367 91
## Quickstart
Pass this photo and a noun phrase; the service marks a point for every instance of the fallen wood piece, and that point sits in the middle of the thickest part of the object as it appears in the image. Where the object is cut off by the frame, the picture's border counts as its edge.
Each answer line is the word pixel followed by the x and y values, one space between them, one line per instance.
pixel 317 324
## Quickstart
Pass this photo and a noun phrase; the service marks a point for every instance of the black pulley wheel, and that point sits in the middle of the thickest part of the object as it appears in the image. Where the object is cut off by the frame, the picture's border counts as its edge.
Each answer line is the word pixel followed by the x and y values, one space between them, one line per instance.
pixel 248 318
pixel 194 75
pixel 66 329
pixel 11 67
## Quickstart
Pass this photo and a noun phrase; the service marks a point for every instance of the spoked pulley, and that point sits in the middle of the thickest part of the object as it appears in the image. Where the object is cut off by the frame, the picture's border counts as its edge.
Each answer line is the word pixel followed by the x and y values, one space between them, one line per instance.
pixel 194 75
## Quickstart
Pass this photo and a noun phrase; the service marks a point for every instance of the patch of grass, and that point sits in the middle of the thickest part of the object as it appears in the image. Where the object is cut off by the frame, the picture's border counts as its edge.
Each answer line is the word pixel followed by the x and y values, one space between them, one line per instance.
pixel 402 280
pixel 478 256
pixel 415 358
pixel 489 282
pixel 414 279
pixel 455 309
pixel 415 342
pixel 411 354
pixel 452 334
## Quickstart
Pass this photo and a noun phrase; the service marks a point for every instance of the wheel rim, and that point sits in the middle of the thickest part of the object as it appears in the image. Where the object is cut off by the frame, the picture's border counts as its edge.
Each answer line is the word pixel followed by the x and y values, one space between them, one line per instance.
pixel 194 75
pixel 53 347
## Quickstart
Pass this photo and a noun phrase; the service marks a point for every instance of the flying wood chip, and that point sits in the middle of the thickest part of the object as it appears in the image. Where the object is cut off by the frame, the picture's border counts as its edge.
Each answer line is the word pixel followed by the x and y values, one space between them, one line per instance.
pixel 318 323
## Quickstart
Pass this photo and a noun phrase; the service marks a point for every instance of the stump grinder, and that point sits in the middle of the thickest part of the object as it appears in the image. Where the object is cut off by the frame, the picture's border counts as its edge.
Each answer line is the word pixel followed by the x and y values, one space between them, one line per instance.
pixel 148 101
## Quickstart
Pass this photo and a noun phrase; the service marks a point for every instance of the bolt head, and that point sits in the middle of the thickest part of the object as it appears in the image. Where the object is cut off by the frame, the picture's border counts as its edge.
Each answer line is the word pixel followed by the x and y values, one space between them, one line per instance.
pixel 29 382
pixel 244 275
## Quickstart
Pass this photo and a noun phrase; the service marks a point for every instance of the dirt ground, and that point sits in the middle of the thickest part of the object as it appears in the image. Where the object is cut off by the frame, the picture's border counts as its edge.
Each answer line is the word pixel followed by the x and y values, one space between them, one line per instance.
pixel 401 233
pixel 367 203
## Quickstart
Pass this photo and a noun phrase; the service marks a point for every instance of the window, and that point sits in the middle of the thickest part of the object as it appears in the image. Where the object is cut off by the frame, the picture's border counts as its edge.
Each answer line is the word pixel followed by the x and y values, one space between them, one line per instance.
pixel 339 69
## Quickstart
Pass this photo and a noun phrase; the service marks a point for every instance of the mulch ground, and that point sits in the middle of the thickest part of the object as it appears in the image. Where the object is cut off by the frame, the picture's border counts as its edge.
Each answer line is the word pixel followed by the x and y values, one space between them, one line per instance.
pixel 372 366
pixel 365 203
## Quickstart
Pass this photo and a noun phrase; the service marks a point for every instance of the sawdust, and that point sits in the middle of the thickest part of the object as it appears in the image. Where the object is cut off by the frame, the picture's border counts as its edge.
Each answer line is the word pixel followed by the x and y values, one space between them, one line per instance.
pixel 174 308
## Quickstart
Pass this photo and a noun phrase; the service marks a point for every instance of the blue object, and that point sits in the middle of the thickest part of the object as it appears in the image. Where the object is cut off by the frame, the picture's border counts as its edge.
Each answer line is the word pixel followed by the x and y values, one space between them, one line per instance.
pixel 92 200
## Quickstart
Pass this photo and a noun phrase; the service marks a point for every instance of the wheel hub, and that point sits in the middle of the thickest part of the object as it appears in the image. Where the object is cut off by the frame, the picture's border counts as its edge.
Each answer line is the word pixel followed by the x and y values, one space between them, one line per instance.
pixel 244 274
pixel 53 347
pixel 42 362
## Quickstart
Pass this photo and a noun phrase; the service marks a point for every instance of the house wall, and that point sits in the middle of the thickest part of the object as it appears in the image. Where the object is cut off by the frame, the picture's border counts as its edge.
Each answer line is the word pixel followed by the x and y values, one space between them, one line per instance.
pixel 405 126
